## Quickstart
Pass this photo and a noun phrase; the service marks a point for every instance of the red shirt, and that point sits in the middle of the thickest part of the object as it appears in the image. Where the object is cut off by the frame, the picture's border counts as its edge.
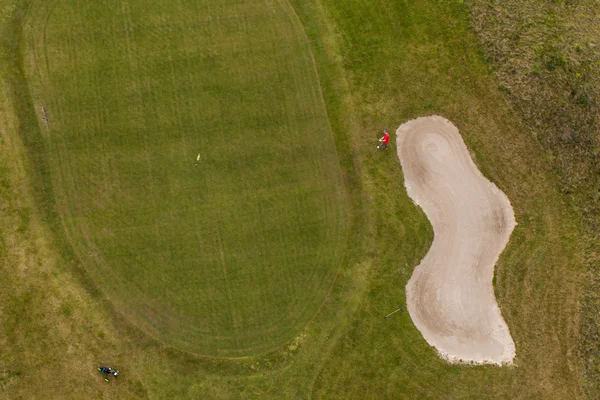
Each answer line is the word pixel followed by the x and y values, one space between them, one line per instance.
pixel 386 138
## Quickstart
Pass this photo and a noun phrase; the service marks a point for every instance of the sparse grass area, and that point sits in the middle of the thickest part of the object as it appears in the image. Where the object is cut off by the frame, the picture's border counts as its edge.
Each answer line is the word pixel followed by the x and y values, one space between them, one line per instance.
pixel 545 55
pixel 380 63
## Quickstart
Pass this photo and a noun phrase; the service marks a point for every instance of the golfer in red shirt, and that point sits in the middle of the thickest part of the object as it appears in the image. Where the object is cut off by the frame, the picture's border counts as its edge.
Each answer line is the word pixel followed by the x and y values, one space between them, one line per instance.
pixel 384 140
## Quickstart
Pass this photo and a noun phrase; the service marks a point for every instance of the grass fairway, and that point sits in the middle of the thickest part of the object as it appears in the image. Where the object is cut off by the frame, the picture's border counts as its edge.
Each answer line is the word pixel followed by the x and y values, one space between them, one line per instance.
pixel 193 164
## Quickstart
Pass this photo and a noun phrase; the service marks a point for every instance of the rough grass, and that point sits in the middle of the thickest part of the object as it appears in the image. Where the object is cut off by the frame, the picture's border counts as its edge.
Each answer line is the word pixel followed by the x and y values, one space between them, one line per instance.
pixel 228 255
pixel 53 330
pixel 380 63
pixel 546 58
pixel 413 58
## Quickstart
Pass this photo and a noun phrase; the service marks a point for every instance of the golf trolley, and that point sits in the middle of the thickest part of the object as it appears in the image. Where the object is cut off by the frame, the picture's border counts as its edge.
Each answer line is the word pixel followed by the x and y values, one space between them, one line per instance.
pixel 107 371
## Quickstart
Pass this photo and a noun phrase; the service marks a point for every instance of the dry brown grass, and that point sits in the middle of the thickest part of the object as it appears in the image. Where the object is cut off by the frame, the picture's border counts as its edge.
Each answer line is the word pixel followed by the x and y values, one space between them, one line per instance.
pixel 53 332
pixel 546 57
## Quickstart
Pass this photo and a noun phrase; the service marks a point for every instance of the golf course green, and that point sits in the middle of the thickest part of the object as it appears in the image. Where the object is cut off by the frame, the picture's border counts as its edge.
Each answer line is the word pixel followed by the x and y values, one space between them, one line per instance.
pixel 193 165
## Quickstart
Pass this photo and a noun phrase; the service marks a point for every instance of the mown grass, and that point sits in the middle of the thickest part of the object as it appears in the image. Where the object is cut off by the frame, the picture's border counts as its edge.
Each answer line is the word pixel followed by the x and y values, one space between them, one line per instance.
pixel 408 59
pixel 228 255
pixel 164 373
pixel 545 57
pixel 380 63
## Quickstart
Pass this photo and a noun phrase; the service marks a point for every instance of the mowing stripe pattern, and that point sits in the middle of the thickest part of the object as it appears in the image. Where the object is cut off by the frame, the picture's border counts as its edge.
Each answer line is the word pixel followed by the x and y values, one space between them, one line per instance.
pixel 193 164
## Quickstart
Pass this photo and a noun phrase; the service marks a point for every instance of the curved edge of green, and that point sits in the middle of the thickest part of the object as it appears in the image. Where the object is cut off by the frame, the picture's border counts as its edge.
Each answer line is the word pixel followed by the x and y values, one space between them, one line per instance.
pixel 41 165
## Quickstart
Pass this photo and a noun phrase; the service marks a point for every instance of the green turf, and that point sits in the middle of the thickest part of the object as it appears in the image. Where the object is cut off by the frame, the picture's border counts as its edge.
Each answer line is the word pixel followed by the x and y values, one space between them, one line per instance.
pixel 229 255
pixel 409 59
pixel 380 63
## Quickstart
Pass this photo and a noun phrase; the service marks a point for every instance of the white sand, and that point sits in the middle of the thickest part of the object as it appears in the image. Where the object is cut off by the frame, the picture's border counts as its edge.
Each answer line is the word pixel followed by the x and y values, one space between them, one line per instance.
pixel 450 295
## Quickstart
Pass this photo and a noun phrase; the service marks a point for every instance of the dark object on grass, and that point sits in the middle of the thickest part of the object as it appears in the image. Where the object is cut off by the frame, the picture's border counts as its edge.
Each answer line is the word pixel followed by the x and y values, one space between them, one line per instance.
pixel 108 371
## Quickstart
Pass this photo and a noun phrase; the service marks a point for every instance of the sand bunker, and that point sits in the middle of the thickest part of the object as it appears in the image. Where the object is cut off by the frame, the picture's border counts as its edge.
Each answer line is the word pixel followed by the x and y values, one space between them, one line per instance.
pixel 450 295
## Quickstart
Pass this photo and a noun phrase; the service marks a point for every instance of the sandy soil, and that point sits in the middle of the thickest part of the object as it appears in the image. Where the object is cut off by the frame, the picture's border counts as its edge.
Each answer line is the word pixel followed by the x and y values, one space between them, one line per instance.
pixel 450 295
